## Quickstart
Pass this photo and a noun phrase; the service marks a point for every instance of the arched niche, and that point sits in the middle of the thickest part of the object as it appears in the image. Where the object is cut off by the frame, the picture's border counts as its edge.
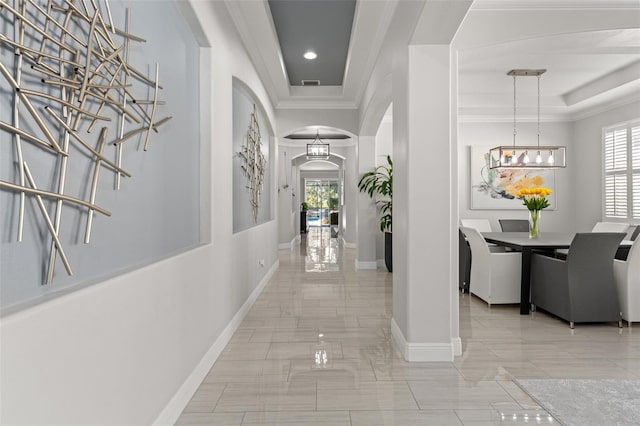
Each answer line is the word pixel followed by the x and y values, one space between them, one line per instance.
pixel 253 159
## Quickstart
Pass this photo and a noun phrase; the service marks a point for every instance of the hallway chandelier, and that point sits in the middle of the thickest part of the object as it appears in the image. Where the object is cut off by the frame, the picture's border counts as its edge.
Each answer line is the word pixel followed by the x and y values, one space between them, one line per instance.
pixel 317 150
pixel 512 157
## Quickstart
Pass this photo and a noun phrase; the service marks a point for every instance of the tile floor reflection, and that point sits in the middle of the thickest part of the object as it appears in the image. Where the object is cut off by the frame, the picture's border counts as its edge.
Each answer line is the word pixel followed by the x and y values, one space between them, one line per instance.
pixel 316 349
pixel 320 250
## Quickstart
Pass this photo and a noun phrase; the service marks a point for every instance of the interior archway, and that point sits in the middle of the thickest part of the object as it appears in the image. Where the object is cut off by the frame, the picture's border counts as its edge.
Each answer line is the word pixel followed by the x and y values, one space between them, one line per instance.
pixel 296 168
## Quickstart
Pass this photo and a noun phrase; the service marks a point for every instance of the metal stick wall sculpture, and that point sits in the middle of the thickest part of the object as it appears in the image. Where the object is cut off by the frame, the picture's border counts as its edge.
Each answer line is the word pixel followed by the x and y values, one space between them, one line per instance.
pixel 253 164
pixel 71 72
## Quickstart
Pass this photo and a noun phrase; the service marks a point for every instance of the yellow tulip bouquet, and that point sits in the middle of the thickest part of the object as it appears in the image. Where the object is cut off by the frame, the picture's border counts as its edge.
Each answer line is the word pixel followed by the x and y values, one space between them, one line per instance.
pixel 535 199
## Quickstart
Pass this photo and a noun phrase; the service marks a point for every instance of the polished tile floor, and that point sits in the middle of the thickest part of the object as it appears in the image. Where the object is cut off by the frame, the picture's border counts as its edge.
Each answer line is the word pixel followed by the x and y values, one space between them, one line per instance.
pixel 316 349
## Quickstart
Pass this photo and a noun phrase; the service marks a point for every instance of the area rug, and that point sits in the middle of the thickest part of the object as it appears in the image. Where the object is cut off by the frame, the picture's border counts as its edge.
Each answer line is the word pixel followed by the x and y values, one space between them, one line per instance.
pixel 587 402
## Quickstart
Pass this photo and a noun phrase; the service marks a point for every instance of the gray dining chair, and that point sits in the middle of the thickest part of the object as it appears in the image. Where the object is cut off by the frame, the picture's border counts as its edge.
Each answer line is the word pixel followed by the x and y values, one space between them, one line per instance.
pixel 464 262
pixel 514 225
pixel 581 288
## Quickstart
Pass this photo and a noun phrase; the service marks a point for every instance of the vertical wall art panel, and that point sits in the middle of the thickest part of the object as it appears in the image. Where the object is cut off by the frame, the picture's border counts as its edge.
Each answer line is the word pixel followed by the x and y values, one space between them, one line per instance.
pixel 495 189
pixel 251 162
pixel 98 141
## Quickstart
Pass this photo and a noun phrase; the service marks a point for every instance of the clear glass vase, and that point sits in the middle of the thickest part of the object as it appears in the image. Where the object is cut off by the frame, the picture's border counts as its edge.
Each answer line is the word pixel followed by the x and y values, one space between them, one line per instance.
pixel 534 223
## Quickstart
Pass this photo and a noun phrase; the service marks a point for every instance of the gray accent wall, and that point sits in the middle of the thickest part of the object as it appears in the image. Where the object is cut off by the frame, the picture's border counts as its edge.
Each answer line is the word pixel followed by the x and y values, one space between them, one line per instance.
pixel 155 214
pixel 243 102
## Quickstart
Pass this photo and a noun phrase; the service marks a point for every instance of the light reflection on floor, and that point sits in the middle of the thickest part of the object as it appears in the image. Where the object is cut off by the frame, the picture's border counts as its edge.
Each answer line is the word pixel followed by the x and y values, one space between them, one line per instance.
pixel 320 250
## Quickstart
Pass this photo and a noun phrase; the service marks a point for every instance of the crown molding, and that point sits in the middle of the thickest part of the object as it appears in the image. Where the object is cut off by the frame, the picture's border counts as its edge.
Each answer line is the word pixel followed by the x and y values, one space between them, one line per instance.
pixel 302 144
pixel 599 109
pixel 492 5
pixel 473 115
pixel 315 104
pixel 496 118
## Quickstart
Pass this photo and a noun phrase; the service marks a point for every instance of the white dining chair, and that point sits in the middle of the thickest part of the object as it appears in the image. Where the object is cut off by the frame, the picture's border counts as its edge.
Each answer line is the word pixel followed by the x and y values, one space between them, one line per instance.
pixel 481 225
pixel 495 277
pixel 610 227
pixel 627 276
pixel 600 227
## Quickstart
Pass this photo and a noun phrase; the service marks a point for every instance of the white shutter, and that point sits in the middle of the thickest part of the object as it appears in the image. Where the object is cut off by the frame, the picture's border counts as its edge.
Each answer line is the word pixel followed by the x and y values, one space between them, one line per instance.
pixel 615 201
pixel 635 148
pixel 622 171
pixel 615 150
pixel 635 164
pixel 635 194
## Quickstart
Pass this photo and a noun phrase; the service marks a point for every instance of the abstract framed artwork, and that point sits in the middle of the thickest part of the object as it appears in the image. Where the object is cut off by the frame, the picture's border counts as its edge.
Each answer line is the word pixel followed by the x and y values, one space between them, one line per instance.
pixel 496 189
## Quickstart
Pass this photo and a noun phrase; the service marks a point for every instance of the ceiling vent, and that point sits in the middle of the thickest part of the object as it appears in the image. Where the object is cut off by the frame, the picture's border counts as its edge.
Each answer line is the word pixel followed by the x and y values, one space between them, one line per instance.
pixel 311 82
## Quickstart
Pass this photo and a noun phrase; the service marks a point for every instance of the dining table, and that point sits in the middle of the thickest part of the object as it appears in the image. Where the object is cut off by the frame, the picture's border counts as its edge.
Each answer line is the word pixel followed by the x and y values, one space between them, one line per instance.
pixel 546 242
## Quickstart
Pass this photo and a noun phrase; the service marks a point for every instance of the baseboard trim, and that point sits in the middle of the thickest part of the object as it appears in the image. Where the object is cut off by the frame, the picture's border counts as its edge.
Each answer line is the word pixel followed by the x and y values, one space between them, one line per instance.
pixel 456 342
pixel 181 398
pixel 366 266
pixel 381 263
pixel 290 245
pixel 346 244
pixel 421 352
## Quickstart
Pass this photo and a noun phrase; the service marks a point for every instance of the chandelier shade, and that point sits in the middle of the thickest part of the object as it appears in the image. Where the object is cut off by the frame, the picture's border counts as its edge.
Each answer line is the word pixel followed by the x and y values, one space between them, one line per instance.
pixel 531 156
pixel 317 150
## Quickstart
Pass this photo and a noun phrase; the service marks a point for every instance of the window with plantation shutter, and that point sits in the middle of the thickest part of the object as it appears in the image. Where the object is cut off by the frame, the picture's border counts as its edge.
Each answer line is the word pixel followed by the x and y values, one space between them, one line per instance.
pixel 622 171
pixel 635 173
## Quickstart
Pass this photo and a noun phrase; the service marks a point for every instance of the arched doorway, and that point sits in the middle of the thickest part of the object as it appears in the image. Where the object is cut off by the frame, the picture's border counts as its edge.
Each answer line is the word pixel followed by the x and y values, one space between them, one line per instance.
pixel 296 171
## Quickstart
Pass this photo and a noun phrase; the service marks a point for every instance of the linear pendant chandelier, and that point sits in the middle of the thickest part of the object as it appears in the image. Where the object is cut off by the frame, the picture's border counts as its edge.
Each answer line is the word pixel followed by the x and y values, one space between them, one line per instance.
pixel 531 156
pixel 317 150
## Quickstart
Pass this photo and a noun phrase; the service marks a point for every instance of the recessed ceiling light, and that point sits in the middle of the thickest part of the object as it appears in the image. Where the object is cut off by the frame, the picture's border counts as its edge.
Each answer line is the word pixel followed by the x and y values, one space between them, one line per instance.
pixel 310 55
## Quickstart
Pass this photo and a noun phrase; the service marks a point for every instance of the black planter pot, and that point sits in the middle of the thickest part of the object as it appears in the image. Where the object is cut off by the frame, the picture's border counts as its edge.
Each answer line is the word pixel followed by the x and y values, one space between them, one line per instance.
pixel 388 256
pixel 303 222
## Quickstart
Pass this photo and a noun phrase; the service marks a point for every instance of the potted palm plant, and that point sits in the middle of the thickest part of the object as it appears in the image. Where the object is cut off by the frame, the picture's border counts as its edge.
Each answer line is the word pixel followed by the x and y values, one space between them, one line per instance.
pixel 378 183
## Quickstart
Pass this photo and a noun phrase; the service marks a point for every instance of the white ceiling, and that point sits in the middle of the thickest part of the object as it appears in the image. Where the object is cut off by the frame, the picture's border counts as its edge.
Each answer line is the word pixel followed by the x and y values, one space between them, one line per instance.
pixel 256 28
pixel 590 48
pixel 584 70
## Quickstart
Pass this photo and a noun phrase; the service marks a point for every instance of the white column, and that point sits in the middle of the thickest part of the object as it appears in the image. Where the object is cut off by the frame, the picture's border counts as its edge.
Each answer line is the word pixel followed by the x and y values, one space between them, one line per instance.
pixel 367 219
pixel 423 238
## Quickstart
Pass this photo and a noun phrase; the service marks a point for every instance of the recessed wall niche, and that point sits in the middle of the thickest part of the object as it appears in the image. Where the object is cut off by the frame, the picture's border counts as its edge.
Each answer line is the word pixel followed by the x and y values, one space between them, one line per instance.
pixel 155 211
pixel 251 205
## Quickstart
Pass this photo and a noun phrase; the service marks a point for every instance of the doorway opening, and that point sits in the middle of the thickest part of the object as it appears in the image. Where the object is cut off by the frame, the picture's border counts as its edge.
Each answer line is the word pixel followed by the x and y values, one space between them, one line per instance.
pixel 323 222
pixel 323 198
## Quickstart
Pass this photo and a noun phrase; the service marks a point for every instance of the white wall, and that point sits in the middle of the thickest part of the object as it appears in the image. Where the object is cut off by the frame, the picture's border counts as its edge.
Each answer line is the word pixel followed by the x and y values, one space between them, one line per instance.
pixel 291 120
pixel 349 224
pixel 288 208
pixel 489 135
pixel 367 228
pixel 384 147
pixel 121 351
pixel 587 134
